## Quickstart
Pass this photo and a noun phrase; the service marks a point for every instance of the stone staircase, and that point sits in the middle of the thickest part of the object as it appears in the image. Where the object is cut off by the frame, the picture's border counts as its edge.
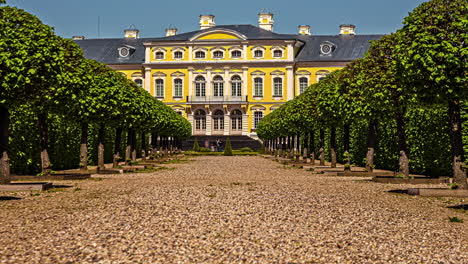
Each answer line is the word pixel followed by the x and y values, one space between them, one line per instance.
pixel 237 142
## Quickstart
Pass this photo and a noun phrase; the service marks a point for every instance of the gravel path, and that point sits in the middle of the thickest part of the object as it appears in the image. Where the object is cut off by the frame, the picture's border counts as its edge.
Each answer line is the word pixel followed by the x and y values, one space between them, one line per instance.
pixel 230 210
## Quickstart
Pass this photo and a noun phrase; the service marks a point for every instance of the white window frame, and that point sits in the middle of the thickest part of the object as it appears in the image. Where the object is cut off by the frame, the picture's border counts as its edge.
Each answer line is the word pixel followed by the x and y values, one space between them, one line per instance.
pixel 219 86
pixel 299 83
pixel 159 50
pixel 175 88
pixel 199 50
pixel 200 121
pixel 139 79
pixel 273 49
pixel 156 87
pixel 236 120
pixel 236 49
pixel 218 50
pixel 178 50
pixel 204 86
pixel 321 74
pixel 218 121
pixel 258 48
pixel 254 120
pixel 255 88
pixel 239 82
pixel 274 87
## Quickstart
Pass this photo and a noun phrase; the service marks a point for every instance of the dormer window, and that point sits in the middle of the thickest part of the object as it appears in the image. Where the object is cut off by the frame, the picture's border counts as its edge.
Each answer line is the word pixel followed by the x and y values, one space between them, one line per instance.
pixel 277 53
pixel 178 55
pixel 124 52
pixel 258 54
pixel 200 54
pixel 235 54
pixel 159 55
pixel 218 54
pixel 327 48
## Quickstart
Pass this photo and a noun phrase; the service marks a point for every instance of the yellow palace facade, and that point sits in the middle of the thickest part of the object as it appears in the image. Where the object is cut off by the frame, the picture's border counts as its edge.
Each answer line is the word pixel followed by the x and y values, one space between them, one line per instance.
pixel 225 78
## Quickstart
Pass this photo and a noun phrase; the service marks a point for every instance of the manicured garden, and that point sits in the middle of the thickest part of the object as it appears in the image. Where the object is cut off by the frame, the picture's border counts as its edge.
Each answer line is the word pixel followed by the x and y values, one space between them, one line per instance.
pixel 402 107
pixel 60 111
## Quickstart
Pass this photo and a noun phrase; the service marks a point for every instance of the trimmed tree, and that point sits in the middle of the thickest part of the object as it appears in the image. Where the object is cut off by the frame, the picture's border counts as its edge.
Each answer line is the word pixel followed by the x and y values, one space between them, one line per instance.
pixel 432 60
pixel 228 148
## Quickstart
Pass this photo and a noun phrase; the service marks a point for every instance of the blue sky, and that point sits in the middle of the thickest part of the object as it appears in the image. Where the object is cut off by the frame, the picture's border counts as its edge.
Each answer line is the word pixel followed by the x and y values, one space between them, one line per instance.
pixel 151 17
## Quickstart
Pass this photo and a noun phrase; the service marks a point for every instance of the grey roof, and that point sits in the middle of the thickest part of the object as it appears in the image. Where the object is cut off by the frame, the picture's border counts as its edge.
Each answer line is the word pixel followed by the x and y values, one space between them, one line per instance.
pixel 250 31
pixel 106 50
pixel 348 47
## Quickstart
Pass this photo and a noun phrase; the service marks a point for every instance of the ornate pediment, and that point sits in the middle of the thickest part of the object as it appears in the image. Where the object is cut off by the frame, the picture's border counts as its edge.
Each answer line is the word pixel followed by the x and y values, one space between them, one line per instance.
pixel 218 34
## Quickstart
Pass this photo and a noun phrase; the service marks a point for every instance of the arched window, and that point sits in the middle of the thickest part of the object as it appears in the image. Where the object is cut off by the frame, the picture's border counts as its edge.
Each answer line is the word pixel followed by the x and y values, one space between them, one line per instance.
pixel 139 82
pixel 200 120
pixel 159 88
pixel 258 115
pixel 278 53
pixel 178 55
pixel 236 120
pixel 236 54
pixel 258 87
pixel 218 86
pixel 200 85
pixel 303 84
pixel 159 55
pixel 277 86
pixel 218 120
pixel 200 55
pixel 236 86
pixel 258 54
pixel 178 87
pixel 218 54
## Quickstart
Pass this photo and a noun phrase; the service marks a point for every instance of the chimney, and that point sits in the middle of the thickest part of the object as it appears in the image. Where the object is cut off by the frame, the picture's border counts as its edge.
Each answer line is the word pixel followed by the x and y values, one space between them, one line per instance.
pixel 265 21
pixel 304 30
pixel 132 32
pixel 78 37
pixel 207 21
pixel 347 30
pixel 171 32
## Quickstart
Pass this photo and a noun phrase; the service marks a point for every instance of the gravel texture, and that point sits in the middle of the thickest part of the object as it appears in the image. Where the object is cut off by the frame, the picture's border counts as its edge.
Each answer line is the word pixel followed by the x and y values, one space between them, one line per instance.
pixel 230 210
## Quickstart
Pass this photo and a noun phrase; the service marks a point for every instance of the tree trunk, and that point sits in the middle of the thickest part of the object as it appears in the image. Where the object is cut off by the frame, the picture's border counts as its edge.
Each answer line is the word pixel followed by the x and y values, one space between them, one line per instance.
pixel 402 147
pixel 322 147
pixel 347 154
pixel 312 147
pixel 333 147
pixel 44 142
pixel 154 143
pixel 143 146
pixel 128 149
pixel 305 149
pixel 459 171
pixel 133 146
pixel 84 147
pixel 118 142
pixel 371 139
pixel 101 135
pixel 4 160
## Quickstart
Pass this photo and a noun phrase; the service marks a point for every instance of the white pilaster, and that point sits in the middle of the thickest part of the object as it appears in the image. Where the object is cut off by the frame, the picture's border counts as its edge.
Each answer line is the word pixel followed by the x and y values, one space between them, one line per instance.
pixel 190 54
pixel 209 124
pixel 290 52
pixel 148 80
pixel 227 88
pixel 245 81
pixel 290 82
pixel 190 83
pixel 227 124
pixel 244 52
pixel 245 125
pixel 209 81
pixel 147 54
pixel 190 119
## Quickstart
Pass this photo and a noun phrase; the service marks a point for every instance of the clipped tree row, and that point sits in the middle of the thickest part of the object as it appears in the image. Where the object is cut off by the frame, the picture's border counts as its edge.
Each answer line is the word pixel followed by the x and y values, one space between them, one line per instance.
pixel 405 77
pixel 45 80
